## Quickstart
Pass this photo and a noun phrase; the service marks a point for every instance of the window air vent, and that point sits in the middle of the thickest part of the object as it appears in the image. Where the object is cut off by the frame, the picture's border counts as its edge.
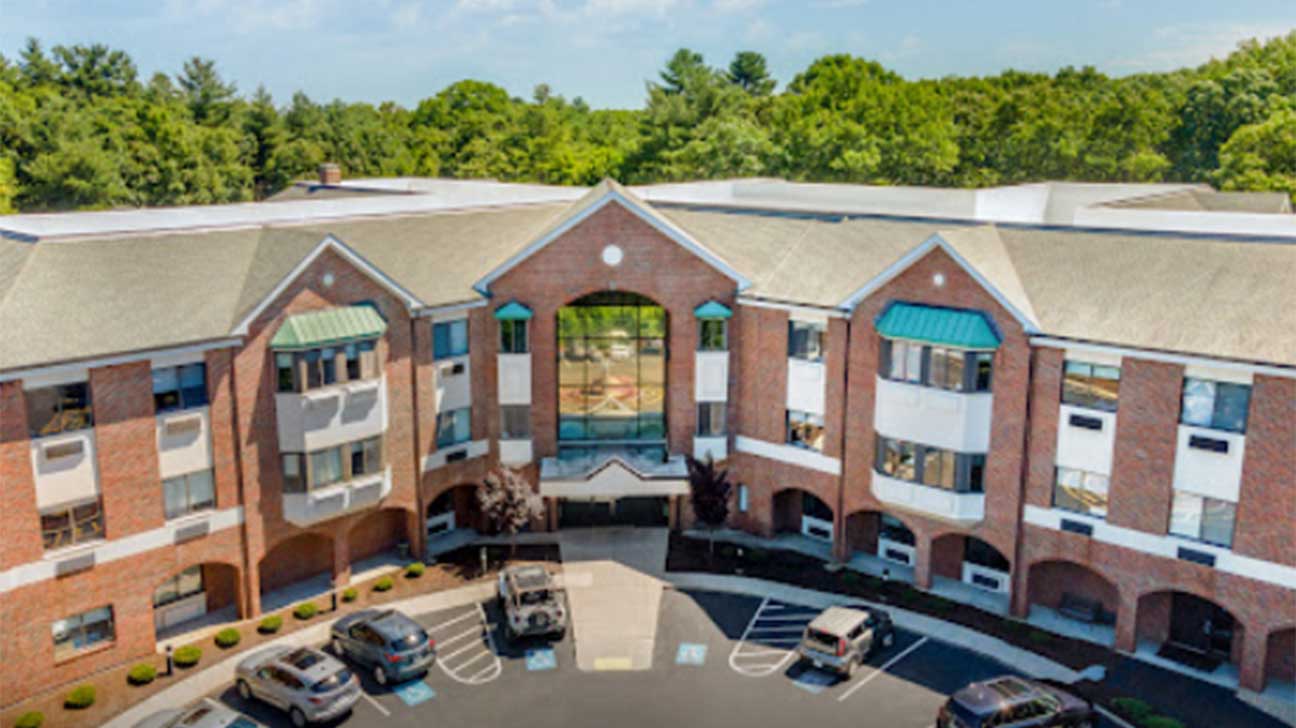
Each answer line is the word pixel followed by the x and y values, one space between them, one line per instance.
pixel 1084 529
pixel 62 450
pixel 75 565
pixel 1087 422
pixel 1201 442
pixel 456 456
pixel 1197 557
pixel 896 555
pixel 192 531
pixel 986 582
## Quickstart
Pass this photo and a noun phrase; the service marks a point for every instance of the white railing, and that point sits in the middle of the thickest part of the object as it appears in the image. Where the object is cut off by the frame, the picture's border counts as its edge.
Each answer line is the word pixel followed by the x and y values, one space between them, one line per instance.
pixel 947 504
pixel 338 499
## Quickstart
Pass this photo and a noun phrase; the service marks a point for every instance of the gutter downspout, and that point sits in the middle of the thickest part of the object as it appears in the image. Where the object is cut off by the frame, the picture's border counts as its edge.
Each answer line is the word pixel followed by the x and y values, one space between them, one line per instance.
pixel 840 531
pixel 417 543
pixel 1022 471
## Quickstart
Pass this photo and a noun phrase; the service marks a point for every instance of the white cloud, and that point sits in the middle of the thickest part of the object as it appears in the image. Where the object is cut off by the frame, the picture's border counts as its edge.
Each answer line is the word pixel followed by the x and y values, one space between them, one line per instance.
pixel 630 7
pixel 1176 46
pixel 251 15
pixel 736 6
pixel 759 30
pixel 406 15
pixel 835 4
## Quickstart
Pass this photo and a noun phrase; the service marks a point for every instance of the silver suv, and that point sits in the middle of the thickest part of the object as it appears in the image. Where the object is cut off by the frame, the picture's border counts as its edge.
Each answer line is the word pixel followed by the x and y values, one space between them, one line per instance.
pixel 532 604
pixel 307 683
pixel 842 638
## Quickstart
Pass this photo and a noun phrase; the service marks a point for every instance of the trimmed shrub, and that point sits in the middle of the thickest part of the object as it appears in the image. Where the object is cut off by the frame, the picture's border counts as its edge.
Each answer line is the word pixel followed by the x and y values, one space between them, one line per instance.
pixel 305 610
pixel 141 674
pixel 81 697
pixel 383 584
pixel 414 570
pixel 30 719
pixel 1040 637
pixel 187 656
pixel 1160 721
pixel 227 638
pixel 270 624
pixel 1132 708
pixel 349 594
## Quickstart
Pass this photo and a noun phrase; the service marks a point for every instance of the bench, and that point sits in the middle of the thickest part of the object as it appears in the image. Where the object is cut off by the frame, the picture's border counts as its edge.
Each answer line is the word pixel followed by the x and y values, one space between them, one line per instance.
pixel 1080 608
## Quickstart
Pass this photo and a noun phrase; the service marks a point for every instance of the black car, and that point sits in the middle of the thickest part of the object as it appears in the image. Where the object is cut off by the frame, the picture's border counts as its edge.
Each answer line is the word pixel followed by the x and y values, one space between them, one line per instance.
pixel 1015 702
pixel 391 644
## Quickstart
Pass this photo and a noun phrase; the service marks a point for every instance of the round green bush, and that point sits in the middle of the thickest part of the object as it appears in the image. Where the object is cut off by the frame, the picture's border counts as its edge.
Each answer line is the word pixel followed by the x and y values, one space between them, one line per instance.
pixel 30 719
pixel 81 697
pixel 383 584
pixel 141 674
pixel 1160 721
pixel 414 570
pixel 1132 708
pixel 187 656
pixel 349 594
pixel 305 610
pixel 270 624
pixel 227 638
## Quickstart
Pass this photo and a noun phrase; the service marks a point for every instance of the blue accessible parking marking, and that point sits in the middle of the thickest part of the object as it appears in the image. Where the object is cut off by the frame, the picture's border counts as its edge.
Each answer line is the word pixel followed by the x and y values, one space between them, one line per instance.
pixel 541 659
pixel 414 692
pixel 814 681
pixel 690 653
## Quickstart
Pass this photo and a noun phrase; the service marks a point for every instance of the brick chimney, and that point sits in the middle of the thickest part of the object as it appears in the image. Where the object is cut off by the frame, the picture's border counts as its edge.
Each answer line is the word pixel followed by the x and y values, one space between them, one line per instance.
pixel 330 174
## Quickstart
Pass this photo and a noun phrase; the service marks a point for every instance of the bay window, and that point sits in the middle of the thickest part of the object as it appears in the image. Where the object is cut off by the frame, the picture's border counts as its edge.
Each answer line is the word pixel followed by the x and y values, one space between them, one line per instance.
pixel 939 367
pixel 304 472
pixel 301 371
pixel 930 466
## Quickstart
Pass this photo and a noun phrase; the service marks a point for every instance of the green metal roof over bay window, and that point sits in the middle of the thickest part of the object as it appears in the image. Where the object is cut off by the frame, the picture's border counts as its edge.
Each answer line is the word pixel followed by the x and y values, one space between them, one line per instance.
pixel 328 327
pixel 935 325
pixel 712 310
pixel 513 311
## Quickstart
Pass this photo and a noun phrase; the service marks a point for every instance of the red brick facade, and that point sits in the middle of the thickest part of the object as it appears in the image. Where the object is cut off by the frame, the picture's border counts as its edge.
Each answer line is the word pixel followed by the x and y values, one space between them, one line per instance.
pixel 243 562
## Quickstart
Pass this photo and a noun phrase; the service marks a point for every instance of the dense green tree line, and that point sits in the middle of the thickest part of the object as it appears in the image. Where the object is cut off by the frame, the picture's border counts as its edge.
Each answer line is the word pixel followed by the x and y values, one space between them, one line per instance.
pixel 79 129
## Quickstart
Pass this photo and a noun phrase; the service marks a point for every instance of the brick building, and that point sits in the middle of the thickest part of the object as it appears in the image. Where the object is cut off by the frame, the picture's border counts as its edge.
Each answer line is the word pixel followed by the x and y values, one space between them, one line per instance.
pixel 1074 404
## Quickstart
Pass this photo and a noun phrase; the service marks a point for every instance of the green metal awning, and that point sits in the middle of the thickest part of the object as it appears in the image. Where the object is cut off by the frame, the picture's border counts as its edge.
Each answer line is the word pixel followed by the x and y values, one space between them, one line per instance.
pixel 330 326
pixel 935 325
pixel 712 310
pixel 513 311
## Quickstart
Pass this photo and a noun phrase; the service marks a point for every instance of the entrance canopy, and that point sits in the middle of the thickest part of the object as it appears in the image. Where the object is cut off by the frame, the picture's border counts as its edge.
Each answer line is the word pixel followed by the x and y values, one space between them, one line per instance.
pixel 611 474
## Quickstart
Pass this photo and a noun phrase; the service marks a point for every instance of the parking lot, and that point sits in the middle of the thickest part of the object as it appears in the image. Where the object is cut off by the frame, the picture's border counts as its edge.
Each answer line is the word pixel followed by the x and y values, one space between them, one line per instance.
pixel 719 660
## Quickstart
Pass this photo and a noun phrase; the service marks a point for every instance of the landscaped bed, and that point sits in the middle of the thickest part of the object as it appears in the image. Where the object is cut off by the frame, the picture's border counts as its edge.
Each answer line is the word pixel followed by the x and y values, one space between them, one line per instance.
pixel 118 688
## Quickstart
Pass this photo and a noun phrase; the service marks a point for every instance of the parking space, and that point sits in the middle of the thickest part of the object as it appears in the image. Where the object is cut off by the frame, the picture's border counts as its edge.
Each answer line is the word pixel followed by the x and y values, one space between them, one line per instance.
pixel 719 660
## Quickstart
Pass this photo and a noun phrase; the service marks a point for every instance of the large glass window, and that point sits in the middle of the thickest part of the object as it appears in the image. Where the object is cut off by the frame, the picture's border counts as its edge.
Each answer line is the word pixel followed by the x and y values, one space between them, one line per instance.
pixel 926 465
pixel 805 430
pixel 188 493
pixel 366 456
pixel 325 467
pixel 1091 385
pixel 805 340
pixel 711 419
pixel 1205 519
pixel 61 408
pixel 956 370
pixel 454 427
pixel 1081 492
pixel 513 337
pixel 82 632
pixel 449 339
pixel 306 471
pixel 176 388
pixel 612 369
pixel 181 586
pixel 361 360
pixel 69 525
pixel 1217 405
pixel 300 371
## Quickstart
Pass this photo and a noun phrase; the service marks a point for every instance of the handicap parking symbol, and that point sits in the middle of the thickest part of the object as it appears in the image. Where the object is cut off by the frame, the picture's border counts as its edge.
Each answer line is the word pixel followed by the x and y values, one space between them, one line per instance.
pixel 541 659
pixel 814 681
pixel 414 692
pixel 690 653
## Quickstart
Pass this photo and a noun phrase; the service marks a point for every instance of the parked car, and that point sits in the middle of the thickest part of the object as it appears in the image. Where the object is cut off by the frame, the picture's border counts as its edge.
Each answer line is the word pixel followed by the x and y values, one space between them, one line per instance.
pixel 842 638
pixel 309 684
pixel 532 604
pixel 393 646
pixel 206 713
pixel 1015 702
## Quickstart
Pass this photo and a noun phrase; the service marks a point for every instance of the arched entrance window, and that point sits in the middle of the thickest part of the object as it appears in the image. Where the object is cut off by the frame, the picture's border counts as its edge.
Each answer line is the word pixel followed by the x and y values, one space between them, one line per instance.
pixel 611 373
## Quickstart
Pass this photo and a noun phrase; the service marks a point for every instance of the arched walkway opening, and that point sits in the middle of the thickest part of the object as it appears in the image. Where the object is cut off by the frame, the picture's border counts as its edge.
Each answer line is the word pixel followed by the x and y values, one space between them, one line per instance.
pixel 296 568
pixel 798 511
pixel 453 518
pixel 1190 630
pixel 1074 600
pixel 194 597
pixel 967 569
pixel 881 544
pixel 378 539
pixel 1280 660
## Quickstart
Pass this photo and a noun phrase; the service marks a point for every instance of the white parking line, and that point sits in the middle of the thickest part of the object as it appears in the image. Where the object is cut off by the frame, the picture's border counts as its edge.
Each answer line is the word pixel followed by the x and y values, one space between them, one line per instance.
pixel 886 665
pixel 377 705
pixel 764 637
pixel 460 618
pixel 473 659
pixel 458 652
pixel 484 644
pixel 461 635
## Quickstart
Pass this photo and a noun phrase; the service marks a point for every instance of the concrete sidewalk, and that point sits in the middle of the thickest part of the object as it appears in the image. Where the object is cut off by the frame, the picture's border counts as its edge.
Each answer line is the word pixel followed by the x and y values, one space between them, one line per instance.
pixel 221 674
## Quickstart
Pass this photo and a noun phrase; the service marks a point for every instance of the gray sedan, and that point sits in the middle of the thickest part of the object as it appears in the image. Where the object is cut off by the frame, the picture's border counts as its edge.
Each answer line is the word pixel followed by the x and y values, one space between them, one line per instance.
pixel 389 643
pixel 307 683
pixel 205 714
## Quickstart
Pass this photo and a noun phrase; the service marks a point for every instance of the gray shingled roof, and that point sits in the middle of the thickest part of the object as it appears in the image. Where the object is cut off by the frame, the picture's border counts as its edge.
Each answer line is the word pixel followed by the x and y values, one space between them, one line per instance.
pixel 82 298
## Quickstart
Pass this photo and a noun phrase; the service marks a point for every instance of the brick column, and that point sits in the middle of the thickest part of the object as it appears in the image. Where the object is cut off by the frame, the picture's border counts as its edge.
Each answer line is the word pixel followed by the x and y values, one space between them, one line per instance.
pixel 251 593
pixel 1251 671
pixel 416 534
pixel 1127 623
pixel 922 562
pixel 341 560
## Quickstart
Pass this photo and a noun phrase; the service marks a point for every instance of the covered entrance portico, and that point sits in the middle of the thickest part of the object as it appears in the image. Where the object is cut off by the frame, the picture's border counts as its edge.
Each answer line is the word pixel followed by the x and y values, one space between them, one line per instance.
pixel 614 488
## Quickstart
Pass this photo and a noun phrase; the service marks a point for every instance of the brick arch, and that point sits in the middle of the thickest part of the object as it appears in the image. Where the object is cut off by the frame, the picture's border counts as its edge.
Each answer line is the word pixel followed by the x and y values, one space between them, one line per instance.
pixel 1280 655
pixel 948 549
pixel 1154 608
pixel 378 531
pixel 222 583
pixel 862 529
pixel 786 507
pixel 463 496
pixel 1049 579
pixel 294 559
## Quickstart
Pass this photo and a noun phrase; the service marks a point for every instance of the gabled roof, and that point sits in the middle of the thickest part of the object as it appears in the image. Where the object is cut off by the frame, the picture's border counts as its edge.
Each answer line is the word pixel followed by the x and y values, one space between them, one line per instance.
pixel 604 193
pixel 328 243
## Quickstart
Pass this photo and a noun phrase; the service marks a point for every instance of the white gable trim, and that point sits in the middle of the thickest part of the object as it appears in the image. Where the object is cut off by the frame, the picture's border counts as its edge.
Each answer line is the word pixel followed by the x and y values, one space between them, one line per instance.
pixel 78 370
pixel 1169 357
pixel 913 256
pixel 612 195
pixel 329 243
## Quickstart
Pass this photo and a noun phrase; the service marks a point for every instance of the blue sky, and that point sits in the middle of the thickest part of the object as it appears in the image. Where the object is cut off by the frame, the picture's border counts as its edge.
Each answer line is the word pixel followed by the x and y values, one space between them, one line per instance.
pixel 604 50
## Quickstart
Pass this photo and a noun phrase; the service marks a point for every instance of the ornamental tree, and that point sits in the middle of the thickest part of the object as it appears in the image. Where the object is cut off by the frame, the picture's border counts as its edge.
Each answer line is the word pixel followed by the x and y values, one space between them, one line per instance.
pixel 509 503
